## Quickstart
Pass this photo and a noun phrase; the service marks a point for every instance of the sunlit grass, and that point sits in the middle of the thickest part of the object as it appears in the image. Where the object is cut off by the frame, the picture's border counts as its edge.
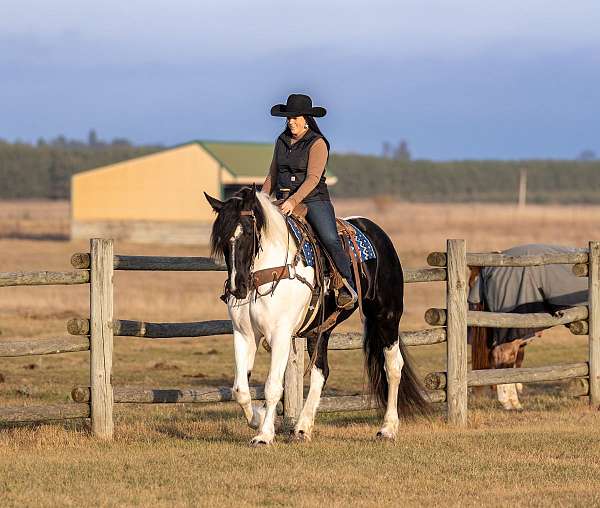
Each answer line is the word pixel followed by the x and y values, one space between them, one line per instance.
pixel 199 455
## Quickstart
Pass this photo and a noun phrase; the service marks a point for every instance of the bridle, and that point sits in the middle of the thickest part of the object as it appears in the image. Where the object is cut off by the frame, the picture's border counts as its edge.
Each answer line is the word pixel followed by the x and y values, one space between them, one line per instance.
pixel 255 240
pixel 273 275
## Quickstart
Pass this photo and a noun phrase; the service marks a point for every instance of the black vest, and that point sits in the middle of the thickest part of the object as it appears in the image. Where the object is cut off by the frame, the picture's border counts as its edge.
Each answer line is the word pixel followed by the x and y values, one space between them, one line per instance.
pixel 292 163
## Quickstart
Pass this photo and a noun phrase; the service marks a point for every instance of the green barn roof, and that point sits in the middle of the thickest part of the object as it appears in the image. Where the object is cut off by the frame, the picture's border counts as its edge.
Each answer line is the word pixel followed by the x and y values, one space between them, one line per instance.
pixel 241 159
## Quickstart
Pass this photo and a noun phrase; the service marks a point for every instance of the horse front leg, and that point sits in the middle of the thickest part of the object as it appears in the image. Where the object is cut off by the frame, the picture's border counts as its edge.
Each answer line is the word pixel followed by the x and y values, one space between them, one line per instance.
pixel 505 356
pixel 280 350
pixel 244 351
pixel 318 376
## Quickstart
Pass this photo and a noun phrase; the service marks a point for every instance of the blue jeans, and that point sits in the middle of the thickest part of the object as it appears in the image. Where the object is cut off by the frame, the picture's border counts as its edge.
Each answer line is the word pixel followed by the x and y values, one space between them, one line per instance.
pixel 321 217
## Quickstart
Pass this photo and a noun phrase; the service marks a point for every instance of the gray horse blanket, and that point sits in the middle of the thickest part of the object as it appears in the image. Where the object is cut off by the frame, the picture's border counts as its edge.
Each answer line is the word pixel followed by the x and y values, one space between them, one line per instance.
pixel 529 289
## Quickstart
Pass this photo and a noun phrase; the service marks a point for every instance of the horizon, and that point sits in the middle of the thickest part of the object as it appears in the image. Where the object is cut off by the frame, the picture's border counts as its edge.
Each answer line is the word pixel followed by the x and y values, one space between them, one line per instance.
pixel 72 142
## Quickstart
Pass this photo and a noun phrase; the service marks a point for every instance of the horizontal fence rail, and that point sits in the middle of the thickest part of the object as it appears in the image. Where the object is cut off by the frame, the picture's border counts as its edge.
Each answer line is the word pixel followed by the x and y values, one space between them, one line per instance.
pixel 43 278
pixel 424 275
pixel 144 395
pixel 364 402
pixel 437 380
pixel 142 329
pixel 46 346
pixel 438 317
pixel 43 413
pixel 496 259
pixel 204 264
pixel 354 340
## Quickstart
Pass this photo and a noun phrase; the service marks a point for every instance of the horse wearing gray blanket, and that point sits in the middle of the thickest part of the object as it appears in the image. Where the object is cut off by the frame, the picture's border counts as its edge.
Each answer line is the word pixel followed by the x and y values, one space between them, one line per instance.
pixel 547 288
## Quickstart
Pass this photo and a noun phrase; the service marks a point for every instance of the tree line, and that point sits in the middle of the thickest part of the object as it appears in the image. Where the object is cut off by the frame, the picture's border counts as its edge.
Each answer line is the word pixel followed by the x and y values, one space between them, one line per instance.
pixel 44 170
pixel 548 181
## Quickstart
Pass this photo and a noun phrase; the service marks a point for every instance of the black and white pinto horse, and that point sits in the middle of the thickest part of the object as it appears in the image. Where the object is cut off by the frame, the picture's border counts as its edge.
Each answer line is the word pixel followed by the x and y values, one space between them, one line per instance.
pixel 258 240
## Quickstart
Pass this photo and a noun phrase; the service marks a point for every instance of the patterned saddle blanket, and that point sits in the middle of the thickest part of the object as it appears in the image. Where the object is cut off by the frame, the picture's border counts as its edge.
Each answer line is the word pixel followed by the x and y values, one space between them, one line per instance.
pixel 366 250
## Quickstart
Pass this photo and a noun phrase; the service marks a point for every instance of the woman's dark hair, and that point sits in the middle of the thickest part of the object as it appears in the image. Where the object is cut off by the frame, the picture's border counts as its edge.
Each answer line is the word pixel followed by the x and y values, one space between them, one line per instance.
pixel 312 125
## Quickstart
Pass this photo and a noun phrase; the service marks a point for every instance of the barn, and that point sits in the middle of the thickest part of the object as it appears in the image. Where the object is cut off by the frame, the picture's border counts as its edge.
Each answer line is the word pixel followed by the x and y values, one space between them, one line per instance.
pixel 159 198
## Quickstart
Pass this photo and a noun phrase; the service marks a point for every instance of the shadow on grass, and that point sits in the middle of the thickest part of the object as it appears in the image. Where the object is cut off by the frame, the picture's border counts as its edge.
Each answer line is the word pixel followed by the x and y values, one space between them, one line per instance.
pixel 223 433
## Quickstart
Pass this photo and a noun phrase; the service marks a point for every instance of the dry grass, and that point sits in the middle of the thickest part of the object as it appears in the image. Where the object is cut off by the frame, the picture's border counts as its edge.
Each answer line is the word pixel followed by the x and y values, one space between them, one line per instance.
pixel 189 455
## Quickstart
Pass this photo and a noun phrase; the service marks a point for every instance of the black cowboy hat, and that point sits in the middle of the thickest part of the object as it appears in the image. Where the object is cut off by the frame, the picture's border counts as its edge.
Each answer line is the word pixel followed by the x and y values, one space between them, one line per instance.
pixel 298 105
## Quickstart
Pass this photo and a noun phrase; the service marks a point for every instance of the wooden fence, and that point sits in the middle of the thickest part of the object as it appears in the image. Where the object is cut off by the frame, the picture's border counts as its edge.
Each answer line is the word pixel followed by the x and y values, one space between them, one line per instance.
pixel 456 317
pixel 97 332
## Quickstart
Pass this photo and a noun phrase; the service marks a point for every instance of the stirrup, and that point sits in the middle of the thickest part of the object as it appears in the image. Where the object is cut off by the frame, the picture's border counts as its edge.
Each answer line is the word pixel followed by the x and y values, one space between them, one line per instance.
pixel 353 296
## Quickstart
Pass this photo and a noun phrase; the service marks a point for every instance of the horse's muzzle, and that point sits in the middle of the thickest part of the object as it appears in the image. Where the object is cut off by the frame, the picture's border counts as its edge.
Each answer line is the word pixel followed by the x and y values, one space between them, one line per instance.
pixel 240 291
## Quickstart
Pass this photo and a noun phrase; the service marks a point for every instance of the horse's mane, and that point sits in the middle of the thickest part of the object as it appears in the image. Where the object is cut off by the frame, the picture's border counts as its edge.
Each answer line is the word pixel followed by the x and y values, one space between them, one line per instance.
pixel 270 223
pixel 275 229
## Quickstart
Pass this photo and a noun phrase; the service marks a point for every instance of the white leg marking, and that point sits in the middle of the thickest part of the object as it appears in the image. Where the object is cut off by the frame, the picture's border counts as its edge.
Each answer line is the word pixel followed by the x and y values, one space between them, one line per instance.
pixel 519 387
pixel 236 234
pixel 241 390
pixel 508 397
pixel 306 421
pixel 280 350
pixel 258 410
pixel 513 397
pixel 393 371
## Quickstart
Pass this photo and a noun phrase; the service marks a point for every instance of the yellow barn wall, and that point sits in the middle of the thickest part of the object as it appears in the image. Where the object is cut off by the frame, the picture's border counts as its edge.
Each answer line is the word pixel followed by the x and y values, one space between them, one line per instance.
pixel 167 186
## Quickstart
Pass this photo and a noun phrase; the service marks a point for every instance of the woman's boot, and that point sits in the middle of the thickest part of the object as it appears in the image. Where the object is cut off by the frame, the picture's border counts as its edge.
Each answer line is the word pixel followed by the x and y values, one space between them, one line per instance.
pixel 347 296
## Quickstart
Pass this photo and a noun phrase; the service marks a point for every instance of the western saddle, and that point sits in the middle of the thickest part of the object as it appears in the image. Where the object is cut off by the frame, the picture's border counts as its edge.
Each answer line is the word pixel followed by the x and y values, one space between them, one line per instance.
pixel 327 277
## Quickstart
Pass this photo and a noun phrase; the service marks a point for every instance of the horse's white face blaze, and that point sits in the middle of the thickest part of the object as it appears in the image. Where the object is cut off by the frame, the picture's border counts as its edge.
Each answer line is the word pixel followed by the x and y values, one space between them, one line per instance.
pixel 232 241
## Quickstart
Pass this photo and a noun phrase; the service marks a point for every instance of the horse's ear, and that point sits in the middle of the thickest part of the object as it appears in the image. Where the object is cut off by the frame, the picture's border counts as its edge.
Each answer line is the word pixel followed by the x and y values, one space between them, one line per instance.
pixel 214 202
pixel 254 187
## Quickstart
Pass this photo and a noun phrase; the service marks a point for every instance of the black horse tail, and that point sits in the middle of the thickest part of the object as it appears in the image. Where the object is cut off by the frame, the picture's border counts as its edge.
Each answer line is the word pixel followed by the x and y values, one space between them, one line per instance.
pixel 383 305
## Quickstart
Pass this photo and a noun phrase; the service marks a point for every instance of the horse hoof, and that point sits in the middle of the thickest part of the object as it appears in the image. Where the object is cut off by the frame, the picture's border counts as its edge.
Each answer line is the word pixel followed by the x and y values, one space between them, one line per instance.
pixel 258 443
pixel 385 436
pixel 299 436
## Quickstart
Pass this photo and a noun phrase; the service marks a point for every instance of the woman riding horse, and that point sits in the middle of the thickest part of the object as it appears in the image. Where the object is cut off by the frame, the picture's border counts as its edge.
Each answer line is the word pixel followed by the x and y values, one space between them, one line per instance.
pixel 252 235
pixel 297 175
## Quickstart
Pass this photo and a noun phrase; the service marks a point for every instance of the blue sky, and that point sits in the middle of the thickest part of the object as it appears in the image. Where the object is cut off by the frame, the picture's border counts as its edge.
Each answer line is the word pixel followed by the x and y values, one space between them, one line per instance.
pixel 456 78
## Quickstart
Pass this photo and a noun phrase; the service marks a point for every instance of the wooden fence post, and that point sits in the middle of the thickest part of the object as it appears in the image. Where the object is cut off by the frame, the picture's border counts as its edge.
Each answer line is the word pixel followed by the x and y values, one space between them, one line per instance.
pixel 456 303
pixel 594 322
pixel 101 337
pixel 293 391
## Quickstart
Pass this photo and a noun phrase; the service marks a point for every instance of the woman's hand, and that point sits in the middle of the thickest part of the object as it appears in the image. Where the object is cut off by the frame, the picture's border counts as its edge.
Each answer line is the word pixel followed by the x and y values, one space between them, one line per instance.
pixel 286 207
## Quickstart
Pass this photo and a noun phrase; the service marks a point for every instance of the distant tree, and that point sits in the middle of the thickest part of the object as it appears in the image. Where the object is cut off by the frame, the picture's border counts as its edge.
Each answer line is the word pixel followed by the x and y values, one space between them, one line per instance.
pixel 121 142
pixel 587 155
pixel 59 142
pixel 386 150
pixel 92 138
pixel 41 142
pixel 402 153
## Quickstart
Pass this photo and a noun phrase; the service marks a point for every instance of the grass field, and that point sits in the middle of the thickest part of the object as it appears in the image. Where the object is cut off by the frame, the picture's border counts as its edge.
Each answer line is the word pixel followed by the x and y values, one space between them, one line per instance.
pixel 199 455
